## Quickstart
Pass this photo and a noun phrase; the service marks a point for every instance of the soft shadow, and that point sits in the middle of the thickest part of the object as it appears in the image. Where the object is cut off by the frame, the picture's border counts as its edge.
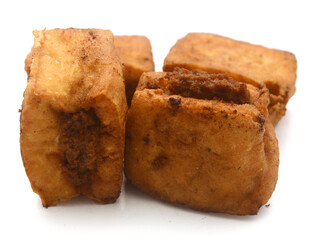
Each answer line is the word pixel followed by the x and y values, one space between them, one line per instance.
pixel 263 212
pixel 133 192
pixel 283 130
pixel 77 201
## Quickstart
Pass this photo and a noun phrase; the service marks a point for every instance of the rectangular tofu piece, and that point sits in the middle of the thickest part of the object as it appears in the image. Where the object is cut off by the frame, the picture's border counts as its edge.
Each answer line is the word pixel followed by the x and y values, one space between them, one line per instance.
pixel 202 140
pixel 136 55
pixel 243 61
pixel 73 116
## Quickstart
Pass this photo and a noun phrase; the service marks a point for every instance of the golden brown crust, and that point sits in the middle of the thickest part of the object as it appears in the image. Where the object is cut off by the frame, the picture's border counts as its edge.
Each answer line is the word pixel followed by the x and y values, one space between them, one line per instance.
pixel 210 155
pixel 243 61
pixel 28 62
pixel 73 116
pixel 136 55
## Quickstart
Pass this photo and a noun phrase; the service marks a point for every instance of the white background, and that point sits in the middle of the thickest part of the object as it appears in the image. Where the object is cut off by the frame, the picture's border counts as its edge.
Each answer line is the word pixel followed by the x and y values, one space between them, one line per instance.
pixel 275 24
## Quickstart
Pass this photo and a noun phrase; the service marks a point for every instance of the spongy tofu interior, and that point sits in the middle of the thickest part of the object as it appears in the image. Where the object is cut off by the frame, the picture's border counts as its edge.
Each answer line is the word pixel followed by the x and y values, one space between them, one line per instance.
pixel 244 61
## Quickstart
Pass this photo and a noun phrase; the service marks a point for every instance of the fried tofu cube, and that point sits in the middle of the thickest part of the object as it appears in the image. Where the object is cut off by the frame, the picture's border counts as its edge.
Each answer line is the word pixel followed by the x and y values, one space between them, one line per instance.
pixel 243 61
pixel 73 116
pixel 202 140
pixel 136 56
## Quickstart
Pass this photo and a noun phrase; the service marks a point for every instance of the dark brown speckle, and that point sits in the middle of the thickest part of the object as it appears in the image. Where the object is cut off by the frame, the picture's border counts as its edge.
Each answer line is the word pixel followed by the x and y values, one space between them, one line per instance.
pixel 146 139
pixel 175 102
pixel 159 162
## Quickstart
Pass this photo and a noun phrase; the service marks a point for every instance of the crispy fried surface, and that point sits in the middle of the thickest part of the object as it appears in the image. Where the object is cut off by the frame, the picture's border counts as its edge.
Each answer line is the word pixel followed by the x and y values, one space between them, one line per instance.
pixel 243 61
pixel 136 55
pixel 212 155
pixel 73 116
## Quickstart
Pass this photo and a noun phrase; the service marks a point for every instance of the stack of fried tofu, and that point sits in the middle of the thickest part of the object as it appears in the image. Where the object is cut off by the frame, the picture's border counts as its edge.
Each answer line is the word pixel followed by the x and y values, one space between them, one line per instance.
pixel 201 133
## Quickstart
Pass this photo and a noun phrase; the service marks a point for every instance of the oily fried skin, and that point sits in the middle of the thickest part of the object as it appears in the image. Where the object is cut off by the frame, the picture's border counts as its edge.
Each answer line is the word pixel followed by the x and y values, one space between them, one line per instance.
pixel 28 62
pixel 243 61
pixel 136 55
pixel 209 155
pixel 73 116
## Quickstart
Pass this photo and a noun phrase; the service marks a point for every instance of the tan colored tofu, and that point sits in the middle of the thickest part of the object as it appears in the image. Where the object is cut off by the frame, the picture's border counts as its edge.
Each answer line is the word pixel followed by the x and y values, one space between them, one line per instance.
pixel 202 140
pixel 136 55
pixel 243 61
pixel 73 116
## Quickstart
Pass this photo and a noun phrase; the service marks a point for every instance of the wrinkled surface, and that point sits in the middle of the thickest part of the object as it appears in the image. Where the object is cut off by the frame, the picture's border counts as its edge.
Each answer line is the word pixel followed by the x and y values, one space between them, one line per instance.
pixel 210 155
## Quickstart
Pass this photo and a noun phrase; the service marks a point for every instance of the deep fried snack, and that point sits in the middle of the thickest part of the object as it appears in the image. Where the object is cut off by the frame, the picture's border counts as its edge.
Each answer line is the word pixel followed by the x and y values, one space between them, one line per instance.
pixel 136 56
pixel 202 140
pixel 73 116
pixel 243 61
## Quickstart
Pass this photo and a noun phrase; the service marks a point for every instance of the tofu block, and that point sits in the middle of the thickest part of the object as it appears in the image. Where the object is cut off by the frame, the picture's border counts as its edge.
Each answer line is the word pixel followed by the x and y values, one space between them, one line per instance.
pixel 243 61
pixel 136 55
pixel 73 116
pixel 202 140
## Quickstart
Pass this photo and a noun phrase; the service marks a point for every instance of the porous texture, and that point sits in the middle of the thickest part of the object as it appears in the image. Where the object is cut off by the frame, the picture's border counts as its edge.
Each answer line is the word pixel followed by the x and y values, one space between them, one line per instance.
pixel 208 154
pixel 244 62
pixel 201 85
pixel 73 116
